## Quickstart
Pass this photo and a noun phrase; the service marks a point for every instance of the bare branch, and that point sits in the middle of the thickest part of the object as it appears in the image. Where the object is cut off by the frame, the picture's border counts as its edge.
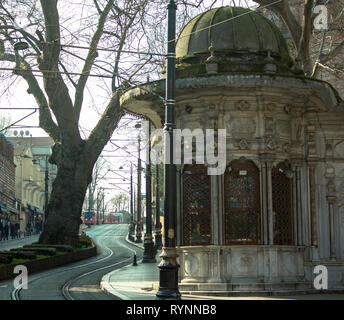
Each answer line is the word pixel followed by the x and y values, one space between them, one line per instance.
pixel 92 55
pixel 23 69
pixel 327 57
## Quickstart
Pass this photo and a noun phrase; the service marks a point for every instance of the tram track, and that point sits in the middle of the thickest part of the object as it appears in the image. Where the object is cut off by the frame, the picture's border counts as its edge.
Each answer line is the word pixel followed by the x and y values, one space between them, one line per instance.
pixel 65 288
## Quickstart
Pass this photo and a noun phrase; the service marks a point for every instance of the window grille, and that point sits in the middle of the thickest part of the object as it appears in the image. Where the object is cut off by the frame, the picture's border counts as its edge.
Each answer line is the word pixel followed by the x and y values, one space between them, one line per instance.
pixel 242 203
pixel 196 205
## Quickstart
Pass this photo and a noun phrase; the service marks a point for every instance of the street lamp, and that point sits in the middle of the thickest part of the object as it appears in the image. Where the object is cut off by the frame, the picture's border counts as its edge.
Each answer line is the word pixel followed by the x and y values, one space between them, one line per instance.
pixel 132 224
pixel 157 236
pixel 20 45
pixel 148 254
pixel 168 282
pixel 139 218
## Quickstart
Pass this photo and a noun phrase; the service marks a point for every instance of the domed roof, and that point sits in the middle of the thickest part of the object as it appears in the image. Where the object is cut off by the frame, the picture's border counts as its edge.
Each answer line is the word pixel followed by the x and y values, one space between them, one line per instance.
pixel 230 30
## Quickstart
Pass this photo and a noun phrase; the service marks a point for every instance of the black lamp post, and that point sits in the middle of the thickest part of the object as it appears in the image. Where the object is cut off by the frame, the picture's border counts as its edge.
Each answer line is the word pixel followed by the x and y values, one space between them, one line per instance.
pixel 132 225
pixel 21 45
pixel 103 206
pixel 149 252
pixel 168 284
pixel 157 236
pixel 139 218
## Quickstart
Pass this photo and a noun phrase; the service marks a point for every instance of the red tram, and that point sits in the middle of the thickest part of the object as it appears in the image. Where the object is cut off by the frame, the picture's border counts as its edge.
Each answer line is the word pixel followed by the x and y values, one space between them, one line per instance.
pixel 89 217
pixel 117 217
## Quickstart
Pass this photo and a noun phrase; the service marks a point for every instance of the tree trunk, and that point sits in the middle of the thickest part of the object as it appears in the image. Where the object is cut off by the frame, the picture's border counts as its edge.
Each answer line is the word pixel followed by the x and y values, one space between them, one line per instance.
pixel 63 215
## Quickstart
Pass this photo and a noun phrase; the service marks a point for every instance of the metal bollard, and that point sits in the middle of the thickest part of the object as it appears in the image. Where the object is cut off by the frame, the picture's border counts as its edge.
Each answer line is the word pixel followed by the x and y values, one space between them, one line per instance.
pixel 134 262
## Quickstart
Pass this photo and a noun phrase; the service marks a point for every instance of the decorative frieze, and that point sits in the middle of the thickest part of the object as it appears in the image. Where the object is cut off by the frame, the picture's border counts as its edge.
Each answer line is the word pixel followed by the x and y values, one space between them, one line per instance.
pixel 311 143
pixel 243 105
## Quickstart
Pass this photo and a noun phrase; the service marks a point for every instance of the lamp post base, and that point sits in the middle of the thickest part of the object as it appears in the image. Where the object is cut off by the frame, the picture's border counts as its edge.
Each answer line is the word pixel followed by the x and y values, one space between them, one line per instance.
pixel 138 239
pixel 138 234
pixel 131 232
pixel 149 251
pixel 168 284
pixel 158 241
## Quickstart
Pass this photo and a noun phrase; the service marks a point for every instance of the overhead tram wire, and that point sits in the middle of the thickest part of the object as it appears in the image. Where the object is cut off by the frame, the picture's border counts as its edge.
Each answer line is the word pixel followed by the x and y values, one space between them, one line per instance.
pixel 165 55
pixel 12 124
pixel 113 50
pixel 129 51
pixel 142 52
pixel 155 53
pixel 227 20
pixel 138 52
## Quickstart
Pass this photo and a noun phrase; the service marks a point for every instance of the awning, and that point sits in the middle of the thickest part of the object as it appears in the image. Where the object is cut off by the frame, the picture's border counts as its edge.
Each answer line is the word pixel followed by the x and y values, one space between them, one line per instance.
pixel 12 210
pixel 30 207
pixel 3 207
pixel 38 211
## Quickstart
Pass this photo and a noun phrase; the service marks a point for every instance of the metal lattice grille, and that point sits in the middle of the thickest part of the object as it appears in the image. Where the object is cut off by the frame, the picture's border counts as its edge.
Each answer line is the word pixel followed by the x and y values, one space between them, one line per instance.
pixel 281 204
pixel 242 203
pixel 196 205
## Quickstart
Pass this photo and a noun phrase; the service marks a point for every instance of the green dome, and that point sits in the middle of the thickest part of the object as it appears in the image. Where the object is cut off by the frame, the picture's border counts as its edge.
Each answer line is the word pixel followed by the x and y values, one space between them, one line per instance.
pixel 249 32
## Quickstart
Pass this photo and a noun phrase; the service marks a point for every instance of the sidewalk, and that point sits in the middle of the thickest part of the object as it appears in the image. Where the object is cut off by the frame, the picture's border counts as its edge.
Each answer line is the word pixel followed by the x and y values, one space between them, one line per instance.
pixel 141 282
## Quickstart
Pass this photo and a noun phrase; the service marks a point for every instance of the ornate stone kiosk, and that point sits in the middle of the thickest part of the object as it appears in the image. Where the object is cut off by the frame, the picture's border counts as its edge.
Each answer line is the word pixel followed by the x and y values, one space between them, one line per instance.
pixel 277 210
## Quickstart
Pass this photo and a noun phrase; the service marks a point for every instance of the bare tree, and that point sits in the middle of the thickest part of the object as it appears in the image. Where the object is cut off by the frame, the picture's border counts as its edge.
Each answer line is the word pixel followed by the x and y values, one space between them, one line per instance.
pixel 59 111
pixel 120 201
pixel 314 48
pixel 5 121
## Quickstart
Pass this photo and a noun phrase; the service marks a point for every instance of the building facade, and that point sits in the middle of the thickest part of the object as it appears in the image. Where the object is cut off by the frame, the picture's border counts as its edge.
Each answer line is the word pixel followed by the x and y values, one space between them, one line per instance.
pixel 276 210
pixel 34 177
pixel 8 203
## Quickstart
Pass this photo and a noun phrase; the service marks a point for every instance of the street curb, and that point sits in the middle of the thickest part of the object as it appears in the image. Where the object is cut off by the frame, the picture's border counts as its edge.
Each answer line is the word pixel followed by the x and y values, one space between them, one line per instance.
pixel 106 287
pixel 105 281
pixel 133 243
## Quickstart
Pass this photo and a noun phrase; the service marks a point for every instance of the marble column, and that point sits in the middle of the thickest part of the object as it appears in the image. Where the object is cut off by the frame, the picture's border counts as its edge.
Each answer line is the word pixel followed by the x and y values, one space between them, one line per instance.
pixel 179 199
pixel 297 202
pixel 312 205
pixel 214 210
pixel 269 202
pixel 264 223
pixel 331 199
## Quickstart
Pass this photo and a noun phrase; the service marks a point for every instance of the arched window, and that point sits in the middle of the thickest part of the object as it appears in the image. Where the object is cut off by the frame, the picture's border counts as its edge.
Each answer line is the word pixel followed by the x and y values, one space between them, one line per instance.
pixel 242 202
pixel 282 204
pixel 196 205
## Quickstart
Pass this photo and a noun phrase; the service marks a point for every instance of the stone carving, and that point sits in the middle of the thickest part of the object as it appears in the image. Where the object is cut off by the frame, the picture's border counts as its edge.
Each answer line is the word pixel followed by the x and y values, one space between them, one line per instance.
pixel 329 172
pixel 269 125
pixel 212 106
pixel 331 188
pixel 243 144
pixel 242 126
pixel 243 105
pixel 312 150
pixel 329 149
pixel 283 128
pixel 188 108
pixel 287 109
pixel 287 147
pixel 243 264
pixel 339 149
pixel 191 265
pixel 271 144
pixel 271 107
pixel 299 130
